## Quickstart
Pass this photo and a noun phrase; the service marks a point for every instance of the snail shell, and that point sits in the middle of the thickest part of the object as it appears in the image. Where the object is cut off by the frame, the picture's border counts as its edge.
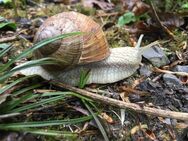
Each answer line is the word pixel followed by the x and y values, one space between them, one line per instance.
pixel 89 52
pixel 89 47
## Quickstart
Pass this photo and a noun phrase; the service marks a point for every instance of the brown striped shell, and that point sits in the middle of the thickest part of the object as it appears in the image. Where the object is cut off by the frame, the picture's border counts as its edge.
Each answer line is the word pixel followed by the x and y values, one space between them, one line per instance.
pixel 88 47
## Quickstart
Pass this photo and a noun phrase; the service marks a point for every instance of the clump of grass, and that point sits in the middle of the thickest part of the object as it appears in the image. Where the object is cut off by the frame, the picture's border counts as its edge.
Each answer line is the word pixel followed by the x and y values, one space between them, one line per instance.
pixel 20 102
pixel 23 101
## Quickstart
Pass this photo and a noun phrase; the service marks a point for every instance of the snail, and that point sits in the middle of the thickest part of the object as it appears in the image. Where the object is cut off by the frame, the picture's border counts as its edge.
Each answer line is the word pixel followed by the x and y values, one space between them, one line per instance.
pixel 88 52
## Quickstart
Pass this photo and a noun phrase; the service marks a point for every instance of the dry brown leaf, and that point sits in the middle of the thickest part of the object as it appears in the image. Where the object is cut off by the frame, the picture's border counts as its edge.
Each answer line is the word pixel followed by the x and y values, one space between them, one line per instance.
pixel 171 20
pixel 150 134
pixel 136 6
pixel 137 128
pixel 131 90
pixel 99 3
pixel 107 118
pixel 152 28
pixel 181 125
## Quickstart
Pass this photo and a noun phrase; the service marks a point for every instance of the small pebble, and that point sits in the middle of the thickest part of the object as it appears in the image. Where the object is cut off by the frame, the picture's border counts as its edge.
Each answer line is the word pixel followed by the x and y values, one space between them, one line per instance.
pixel 156 56
pixel 171 80
pixel 145 71
pixel 134 98
pixel 167 121
pixel 24 22
pixel 177 103
pixel 180 68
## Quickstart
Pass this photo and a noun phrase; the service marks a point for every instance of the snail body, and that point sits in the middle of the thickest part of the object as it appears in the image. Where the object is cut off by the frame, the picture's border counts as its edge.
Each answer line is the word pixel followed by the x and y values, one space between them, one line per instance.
pixel 112 69
pixel 89 52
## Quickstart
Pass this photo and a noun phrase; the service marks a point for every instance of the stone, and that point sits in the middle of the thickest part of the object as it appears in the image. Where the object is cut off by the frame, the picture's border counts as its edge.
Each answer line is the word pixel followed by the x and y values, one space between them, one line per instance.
pixel 24 22
pixel 156 56
pixel 145 71
pixel 177 103
pixel 167 121
pixel 180 68
pixel 186 97
pixel 134 98
pixel 171 80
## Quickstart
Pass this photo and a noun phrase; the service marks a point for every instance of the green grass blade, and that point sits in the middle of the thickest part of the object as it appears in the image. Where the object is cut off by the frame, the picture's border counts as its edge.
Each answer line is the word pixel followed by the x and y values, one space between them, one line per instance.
pixel 9 115
pixel 38 62
pixel 36 124
pixel 49 132
pixel 103 132
pixel 9 105
pixel 37 104
pixel 81 97
pixel 23 90
pixel 43 61
pixel 12 104
pixel 5 50
pixel 37 46
pixel 5 88
pixel 83 78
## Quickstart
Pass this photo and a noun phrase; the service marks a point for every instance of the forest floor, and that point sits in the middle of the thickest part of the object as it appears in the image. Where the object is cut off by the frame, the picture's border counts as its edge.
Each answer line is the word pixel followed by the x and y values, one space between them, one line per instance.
pixel 160 83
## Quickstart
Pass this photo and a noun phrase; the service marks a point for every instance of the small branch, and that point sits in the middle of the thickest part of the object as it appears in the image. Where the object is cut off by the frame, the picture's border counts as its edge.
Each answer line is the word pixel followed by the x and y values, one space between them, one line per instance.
pixel 159 22
pixel 124 105
pixel 170 72
pixel 107 14
pixel 8 39
pixel 15 7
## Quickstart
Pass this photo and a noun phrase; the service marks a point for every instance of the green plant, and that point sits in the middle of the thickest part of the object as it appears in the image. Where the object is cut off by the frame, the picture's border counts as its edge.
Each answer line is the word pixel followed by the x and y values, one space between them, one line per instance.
pixel 7 24
pixel 83 78
pixel 6 1
pixel 17 102
pixel 126 18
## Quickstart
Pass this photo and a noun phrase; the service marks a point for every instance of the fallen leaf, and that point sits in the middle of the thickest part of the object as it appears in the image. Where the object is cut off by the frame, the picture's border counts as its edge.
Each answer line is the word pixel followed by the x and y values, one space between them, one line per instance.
pixel 99 3
pixel 124 97
pixel 170 20
pixel 150 134
pixel 140 8
pixel 129 4
pixel 107 118
pixel 152 28
pixel 181 125
pixel 136 6
pixel 137 128
pixel 129 90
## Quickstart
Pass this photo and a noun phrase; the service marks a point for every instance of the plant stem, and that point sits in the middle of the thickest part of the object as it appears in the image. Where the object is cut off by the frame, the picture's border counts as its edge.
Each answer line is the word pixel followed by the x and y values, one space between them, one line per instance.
pixel 15 8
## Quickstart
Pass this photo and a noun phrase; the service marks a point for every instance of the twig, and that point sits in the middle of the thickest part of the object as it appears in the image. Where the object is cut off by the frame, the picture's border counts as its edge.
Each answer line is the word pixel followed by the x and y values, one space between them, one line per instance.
pixel 15 8
pixel 8 39
pixel 121 104
pixel 131 90
pixel 157 78
pixel 159 22
pixel 174 64
pixel 170 72
pixel 107 14
pixel 98 91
